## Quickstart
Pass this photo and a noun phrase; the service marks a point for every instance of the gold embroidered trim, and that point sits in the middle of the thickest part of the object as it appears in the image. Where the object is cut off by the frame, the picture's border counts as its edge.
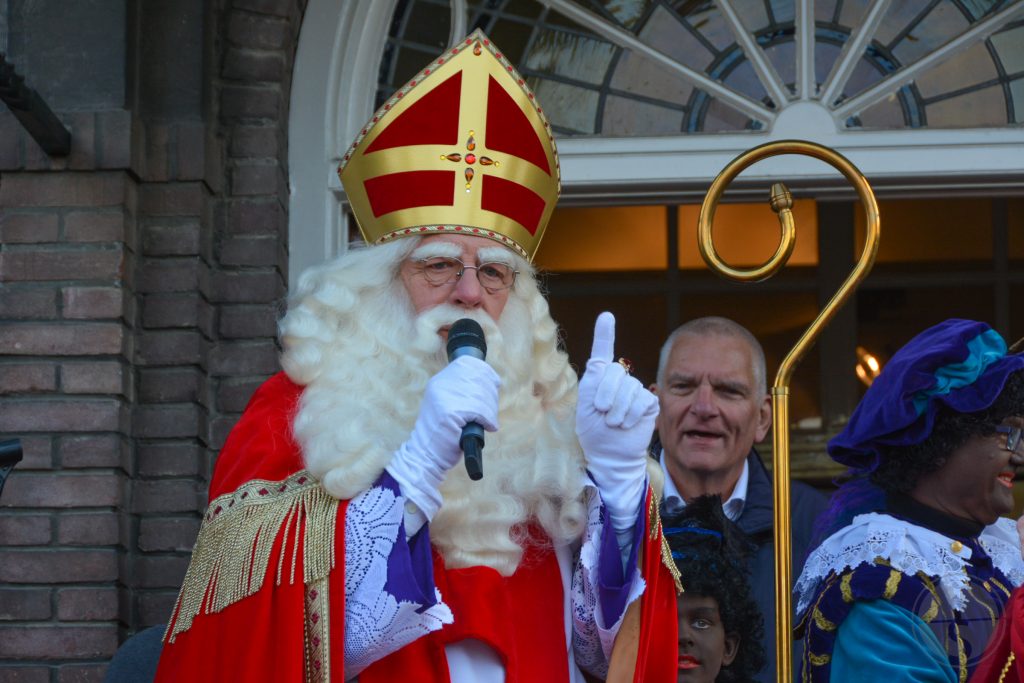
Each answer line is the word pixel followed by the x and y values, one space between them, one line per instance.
pixel 844 587
pixel 822 623
pixel 232 552
pixel 818 660
pixel 932 612
pixel 1000 586
pixel 317 635
pixel 929 615
pixel 656 534
pixel 892 584
pixel 961 654
pixel 1006 667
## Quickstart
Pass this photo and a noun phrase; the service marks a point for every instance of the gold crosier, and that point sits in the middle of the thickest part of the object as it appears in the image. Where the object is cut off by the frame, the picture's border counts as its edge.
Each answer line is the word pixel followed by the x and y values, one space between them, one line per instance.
pixel 781 202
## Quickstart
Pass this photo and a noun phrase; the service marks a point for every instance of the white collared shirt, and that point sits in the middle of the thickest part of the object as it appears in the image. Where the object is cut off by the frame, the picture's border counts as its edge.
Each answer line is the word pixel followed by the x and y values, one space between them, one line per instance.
pixel 733 507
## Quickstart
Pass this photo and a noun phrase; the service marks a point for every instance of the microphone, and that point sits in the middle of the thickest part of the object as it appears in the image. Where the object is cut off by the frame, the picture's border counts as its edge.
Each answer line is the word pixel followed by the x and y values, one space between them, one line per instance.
pixel 466 338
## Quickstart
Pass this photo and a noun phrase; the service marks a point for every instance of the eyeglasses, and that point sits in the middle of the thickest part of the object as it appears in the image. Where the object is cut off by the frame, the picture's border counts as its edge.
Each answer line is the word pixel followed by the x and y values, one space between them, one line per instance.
pixel 1013 440
pixel 442 270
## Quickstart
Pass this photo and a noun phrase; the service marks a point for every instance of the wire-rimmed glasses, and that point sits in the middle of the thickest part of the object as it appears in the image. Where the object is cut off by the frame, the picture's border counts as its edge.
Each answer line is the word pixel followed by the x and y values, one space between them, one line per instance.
pixel 493 275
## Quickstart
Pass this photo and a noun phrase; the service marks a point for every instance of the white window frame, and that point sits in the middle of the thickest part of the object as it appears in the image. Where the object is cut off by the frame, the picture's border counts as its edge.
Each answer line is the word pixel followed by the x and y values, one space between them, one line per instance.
pixel 335 80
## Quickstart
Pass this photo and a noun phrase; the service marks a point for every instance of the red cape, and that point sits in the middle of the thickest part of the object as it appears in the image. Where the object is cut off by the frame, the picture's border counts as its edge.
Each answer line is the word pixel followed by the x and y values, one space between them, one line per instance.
pixel 1003 661
pixel 278 625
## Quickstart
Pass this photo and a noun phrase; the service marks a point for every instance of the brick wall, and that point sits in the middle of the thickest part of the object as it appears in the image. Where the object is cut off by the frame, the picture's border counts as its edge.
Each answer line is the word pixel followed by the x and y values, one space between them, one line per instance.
pixel 141 279
pixel 67 389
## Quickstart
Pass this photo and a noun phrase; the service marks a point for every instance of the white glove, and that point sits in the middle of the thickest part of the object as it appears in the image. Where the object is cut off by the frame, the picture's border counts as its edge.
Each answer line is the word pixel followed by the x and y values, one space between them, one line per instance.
pixel 614 422
pixel 466 390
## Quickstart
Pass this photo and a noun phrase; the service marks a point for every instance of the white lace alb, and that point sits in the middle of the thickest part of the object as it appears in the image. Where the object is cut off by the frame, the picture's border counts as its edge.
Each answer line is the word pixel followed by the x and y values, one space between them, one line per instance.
pixel 377 624
pixel 909 549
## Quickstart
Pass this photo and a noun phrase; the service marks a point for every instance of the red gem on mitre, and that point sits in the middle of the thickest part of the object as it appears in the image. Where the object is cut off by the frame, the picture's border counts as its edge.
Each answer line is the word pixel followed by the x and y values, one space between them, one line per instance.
pixel 470 158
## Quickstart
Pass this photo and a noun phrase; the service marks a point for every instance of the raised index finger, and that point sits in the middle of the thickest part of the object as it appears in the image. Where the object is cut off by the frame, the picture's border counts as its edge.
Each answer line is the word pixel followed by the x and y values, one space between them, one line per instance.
pixel 604 338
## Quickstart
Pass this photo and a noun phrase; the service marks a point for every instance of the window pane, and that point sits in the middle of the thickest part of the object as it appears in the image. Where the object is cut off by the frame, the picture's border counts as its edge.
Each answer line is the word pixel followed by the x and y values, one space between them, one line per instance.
pixel 1016 313
pixel 1009 45
pixel 966 69
pixel 639 328
pixel 624 117
pixel 570 108
pixel 944 22
pixel 887 114
pixel 1017 96
pixel 985 107
pixel 615 238
pixel 626 12
pixel 569 55
pixel 888 318
pixel 1015 217
pixel 932 231
pixel 636 75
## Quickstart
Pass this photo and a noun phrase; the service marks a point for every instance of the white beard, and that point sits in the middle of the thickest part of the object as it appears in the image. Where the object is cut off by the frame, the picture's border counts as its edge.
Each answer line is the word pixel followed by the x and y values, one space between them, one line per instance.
pixel 365 373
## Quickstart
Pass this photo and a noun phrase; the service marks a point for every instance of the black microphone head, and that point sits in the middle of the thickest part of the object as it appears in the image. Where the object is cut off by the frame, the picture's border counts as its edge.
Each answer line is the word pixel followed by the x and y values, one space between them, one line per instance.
pixel 466 337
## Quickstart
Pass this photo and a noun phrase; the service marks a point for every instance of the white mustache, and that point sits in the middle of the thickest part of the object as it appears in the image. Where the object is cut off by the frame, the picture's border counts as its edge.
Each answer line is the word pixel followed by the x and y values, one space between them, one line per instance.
pixel 427 340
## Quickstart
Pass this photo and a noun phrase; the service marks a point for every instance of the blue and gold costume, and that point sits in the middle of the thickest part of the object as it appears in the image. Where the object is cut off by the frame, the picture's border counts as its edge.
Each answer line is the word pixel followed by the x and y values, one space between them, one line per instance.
pixel 921 609
pixel 900 590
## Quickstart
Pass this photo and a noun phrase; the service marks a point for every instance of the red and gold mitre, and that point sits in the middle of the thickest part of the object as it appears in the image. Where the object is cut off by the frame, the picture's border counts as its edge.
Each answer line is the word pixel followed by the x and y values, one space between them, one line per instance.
pixel 463 148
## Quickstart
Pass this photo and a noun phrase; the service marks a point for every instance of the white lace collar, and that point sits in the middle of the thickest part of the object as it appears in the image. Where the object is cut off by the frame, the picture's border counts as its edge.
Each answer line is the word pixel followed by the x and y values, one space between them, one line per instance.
pixel 910 549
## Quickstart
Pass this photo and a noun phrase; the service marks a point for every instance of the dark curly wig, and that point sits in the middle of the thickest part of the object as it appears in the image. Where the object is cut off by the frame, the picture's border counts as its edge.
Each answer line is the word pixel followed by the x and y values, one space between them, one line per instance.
pixel 902 466
pixel 711 554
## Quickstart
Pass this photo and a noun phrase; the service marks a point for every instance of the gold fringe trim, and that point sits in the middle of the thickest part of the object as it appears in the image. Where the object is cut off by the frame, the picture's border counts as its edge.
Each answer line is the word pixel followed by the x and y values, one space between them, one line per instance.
pixel 232 552
pixel 666 553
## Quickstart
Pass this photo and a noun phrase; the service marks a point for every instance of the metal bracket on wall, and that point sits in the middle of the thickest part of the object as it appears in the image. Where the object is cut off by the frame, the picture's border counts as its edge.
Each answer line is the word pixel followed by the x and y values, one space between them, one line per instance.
pixel 10 455
pixel 33 113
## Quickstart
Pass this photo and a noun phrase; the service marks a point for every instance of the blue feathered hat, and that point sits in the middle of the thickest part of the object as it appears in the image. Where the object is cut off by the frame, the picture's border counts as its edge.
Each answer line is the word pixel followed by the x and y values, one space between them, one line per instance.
pixel 962 364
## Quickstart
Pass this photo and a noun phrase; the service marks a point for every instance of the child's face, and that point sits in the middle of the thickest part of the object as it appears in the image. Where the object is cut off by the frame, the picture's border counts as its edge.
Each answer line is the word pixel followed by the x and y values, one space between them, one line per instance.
pixel 704 646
